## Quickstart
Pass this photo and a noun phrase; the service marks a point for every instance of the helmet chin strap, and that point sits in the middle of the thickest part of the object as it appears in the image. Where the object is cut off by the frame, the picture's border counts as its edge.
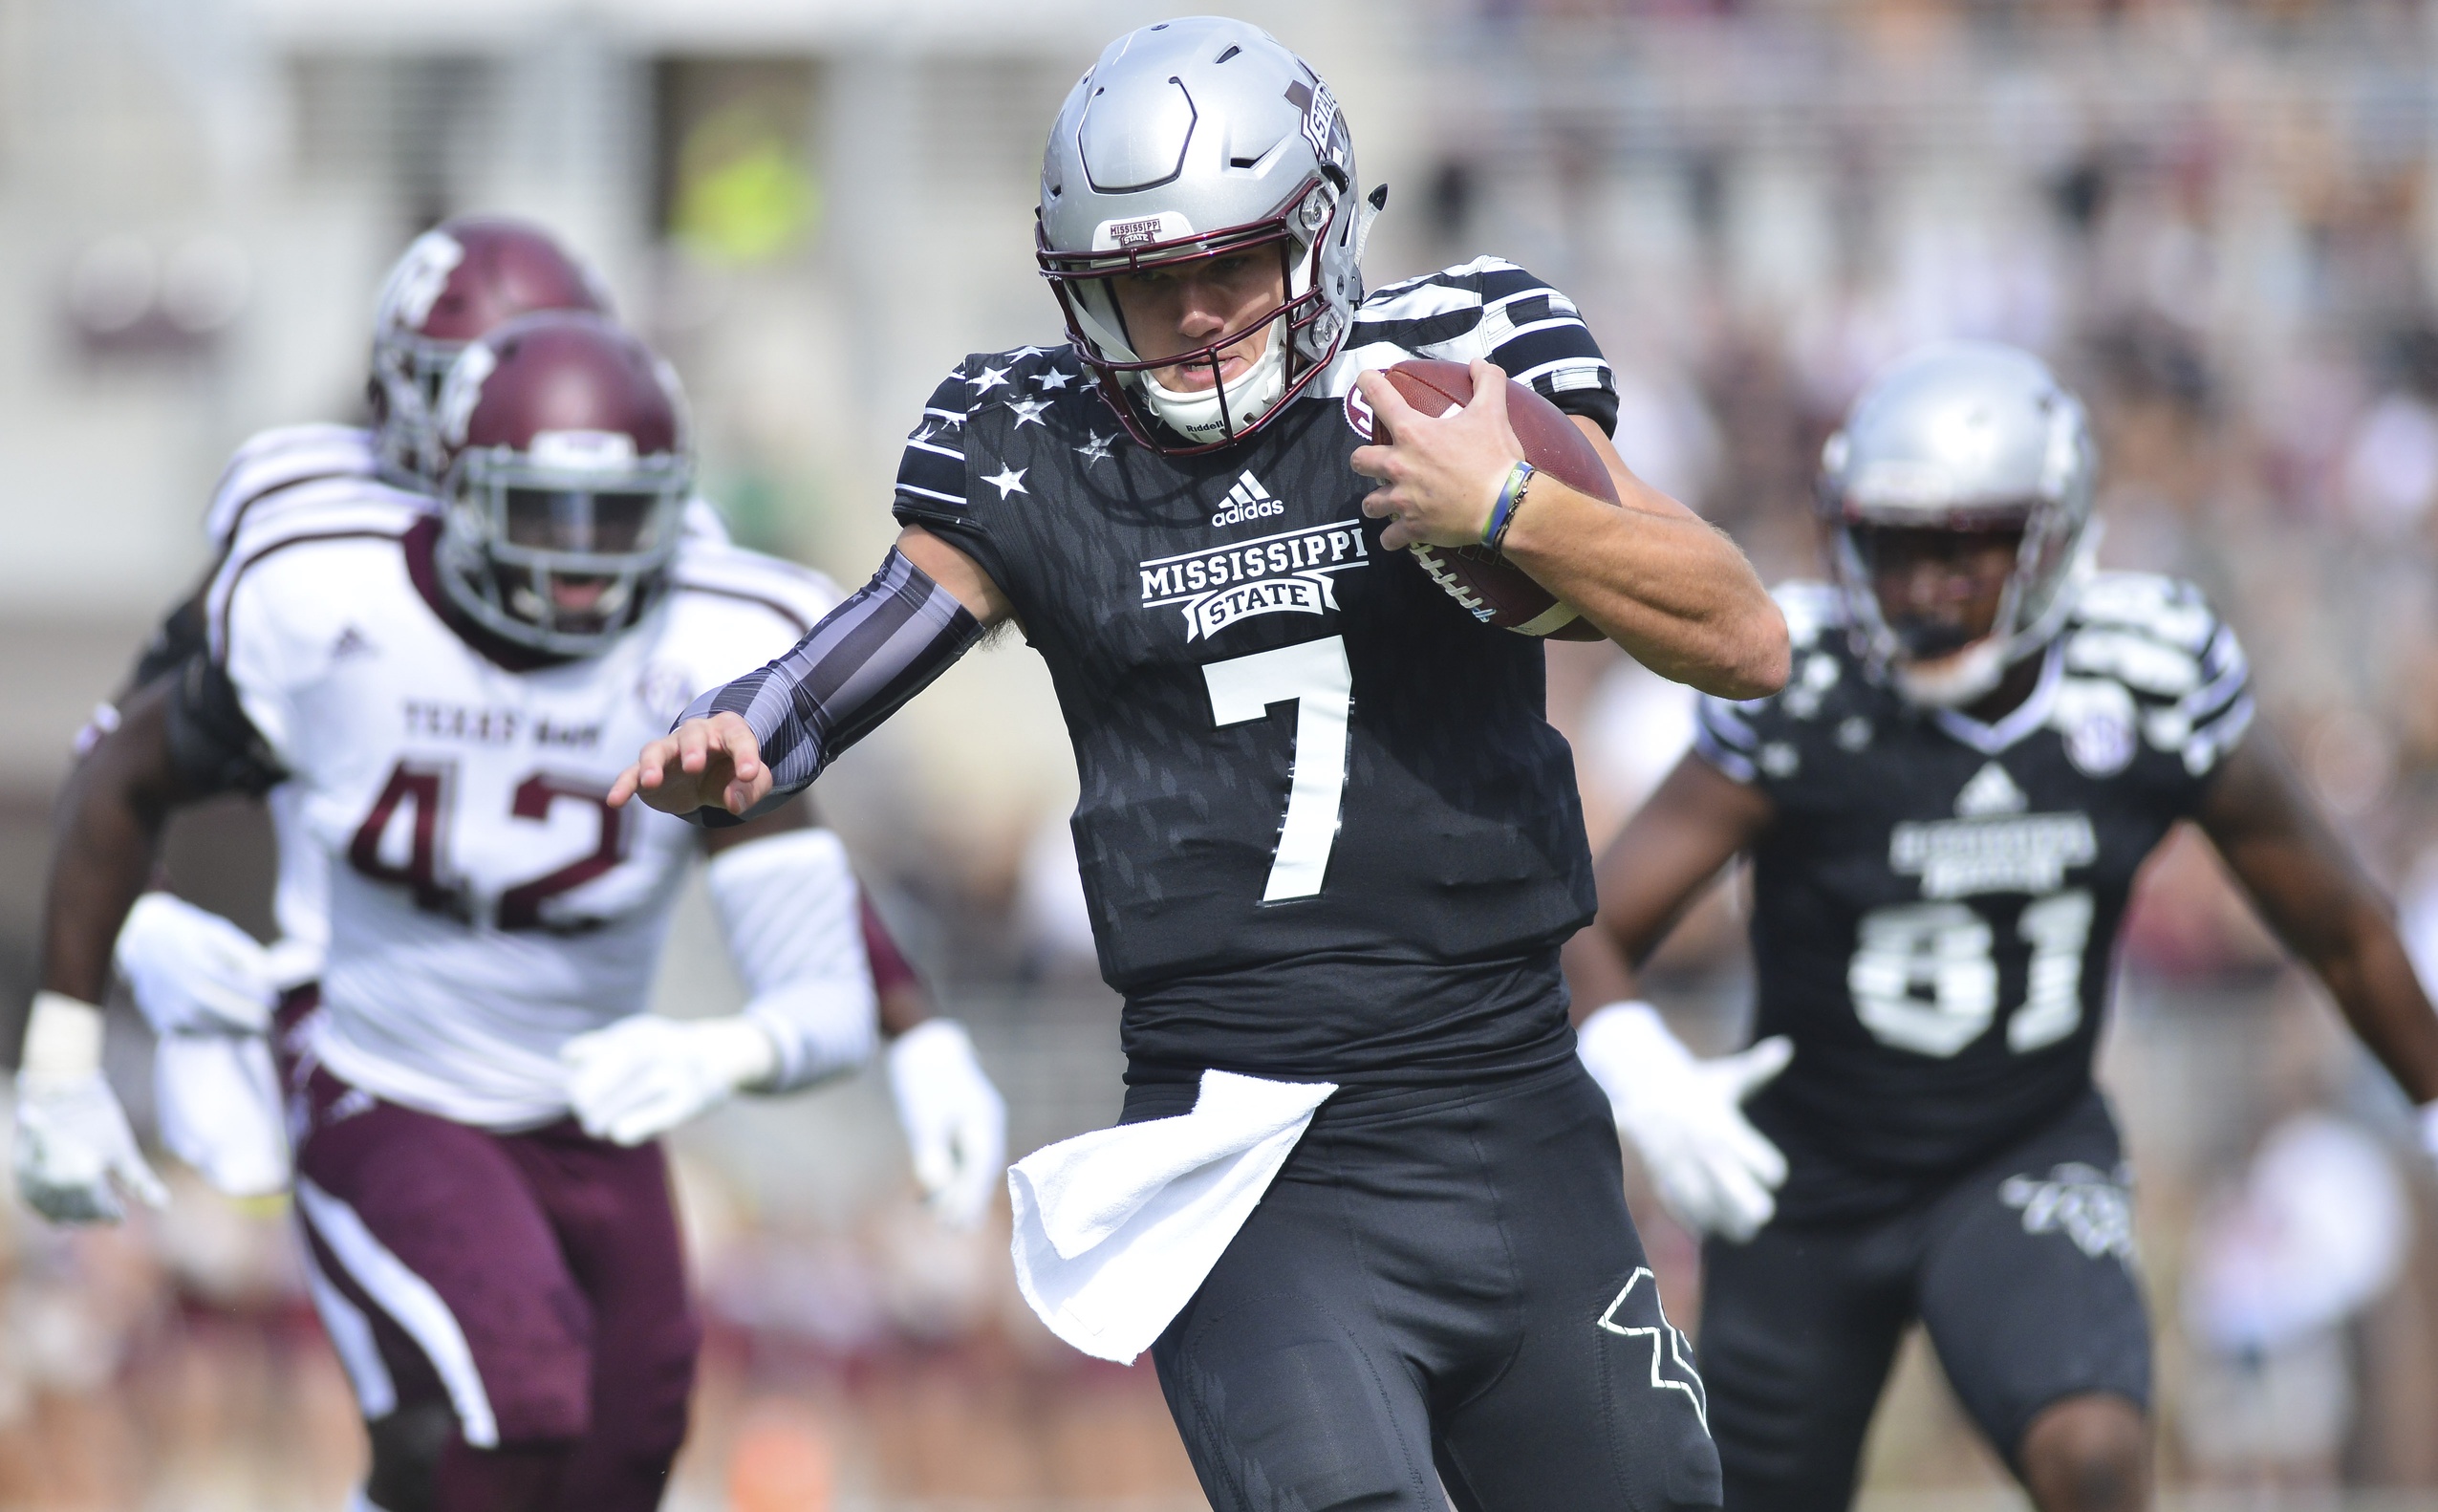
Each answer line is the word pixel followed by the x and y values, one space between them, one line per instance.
pixel 1196 415
pixel 1960 678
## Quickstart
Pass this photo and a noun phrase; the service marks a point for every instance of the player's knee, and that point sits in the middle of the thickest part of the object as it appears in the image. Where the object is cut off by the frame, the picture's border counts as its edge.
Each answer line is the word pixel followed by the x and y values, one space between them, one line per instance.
pixel 2089 1454
pixel 406 1457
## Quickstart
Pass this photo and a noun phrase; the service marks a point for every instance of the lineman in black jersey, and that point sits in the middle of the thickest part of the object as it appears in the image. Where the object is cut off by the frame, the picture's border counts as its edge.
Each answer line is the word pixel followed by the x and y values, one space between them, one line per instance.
pixel 1944 810
pixel 1327 835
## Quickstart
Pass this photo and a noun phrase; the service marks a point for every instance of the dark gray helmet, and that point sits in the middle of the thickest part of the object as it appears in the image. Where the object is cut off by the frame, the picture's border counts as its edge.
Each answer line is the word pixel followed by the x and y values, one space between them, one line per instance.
pixel 1195 139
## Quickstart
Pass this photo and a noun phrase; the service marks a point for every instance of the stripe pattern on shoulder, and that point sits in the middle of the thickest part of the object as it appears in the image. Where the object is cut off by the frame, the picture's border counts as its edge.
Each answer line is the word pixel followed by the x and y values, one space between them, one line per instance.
pixel 2158 637
pixel 796 594
pixel 1489 309
pixel 325 509
pixel 273 461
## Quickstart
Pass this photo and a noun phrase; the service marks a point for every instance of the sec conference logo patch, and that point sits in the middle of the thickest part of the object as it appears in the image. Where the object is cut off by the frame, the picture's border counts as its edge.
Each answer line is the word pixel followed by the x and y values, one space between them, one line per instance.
pixel 1358 413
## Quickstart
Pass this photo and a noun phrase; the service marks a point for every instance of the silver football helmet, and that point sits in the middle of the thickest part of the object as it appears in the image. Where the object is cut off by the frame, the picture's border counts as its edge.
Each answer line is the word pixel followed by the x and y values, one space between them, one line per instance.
pixel 1963 436
pixel 1195 139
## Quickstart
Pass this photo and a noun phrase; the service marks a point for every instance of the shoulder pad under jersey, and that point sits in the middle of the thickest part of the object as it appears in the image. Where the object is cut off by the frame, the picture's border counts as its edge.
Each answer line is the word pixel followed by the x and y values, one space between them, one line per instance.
pixel 272 460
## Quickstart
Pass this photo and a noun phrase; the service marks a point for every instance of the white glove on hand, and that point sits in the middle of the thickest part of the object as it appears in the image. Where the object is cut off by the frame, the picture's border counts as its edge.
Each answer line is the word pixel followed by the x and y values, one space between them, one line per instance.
pixel 194 972
pixel 1714 1171
pixel 644 1075
pixel 72 1141
pixel 955 1120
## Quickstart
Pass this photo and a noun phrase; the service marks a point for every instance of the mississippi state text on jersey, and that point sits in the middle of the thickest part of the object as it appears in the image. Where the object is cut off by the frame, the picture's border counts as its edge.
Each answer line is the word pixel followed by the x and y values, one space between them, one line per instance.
pixel 485 904
pixel 1325 830
pixel 1936 900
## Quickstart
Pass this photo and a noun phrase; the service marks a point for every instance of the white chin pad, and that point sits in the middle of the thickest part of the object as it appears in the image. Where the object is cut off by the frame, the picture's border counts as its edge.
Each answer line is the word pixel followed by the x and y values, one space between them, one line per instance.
pixel 1956 680
pixel 1197 416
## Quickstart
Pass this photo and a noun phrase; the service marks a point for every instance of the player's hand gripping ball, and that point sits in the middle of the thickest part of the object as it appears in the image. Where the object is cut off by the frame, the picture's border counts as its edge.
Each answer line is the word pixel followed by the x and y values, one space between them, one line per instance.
pixel 1490 588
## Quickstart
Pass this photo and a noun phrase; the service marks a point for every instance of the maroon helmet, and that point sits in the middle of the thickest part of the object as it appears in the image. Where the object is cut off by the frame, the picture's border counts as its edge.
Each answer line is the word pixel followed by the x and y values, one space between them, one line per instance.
pixel 563 477
pixel 456 281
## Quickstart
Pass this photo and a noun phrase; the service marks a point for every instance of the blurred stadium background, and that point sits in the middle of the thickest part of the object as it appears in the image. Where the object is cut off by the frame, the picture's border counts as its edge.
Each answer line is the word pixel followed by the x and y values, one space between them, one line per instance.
pixel 2219 218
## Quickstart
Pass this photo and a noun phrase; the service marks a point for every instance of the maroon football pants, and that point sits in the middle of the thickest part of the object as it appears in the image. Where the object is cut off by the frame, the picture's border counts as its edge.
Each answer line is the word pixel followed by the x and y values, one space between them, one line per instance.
pixel 533 1283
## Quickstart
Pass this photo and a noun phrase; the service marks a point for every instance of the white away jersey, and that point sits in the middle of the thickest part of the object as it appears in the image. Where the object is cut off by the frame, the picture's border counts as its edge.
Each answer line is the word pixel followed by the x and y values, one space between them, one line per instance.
pixel 485 904
pixel 276 479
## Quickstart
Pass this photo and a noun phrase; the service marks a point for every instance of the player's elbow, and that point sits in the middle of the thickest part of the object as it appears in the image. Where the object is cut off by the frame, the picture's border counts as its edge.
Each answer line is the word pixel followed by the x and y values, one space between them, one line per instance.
pixel 1753 659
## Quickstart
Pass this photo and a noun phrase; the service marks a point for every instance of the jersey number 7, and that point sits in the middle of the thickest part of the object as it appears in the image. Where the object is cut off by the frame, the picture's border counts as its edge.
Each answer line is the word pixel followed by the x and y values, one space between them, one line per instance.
pixel 1315 675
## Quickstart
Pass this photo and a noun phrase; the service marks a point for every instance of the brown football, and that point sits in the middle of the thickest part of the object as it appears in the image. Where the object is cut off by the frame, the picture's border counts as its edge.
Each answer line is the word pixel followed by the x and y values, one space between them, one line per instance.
pixel 1489 589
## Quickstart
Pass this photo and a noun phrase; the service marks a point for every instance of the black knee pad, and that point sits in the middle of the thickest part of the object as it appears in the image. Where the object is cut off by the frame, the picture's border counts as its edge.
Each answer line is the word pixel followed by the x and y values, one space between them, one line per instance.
pixel 406 1457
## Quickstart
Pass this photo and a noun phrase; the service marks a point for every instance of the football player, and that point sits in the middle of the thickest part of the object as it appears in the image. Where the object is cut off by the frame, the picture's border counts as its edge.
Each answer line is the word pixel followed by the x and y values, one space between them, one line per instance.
pixel 475 1087
pixel 1331 844
pixel 202 985
pixel 1945 811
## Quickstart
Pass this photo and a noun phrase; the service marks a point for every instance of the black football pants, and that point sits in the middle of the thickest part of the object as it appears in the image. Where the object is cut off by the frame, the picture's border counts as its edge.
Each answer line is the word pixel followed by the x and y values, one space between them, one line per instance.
pixel 2021 1272
pixel 1443 1287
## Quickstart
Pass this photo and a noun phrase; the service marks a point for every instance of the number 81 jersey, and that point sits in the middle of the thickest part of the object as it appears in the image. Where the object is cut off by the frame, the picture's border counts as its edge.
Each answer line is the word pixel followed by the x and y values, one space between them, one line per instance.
pixel 1937 899
pixel 486 903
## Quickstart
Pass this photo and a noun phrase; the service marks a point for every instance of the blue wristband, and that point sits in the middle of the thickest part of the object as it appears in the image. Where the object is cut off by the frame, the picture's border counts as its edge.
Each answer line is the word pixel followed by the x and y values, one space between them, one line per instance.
pixel 1495 528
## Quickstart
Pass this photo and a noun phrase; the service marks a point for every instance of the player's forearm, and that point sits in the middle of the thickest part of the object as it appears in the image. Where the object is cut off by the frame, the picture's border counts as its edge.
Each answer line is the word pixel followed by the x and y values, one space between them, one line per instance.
pixel 2365 967
pixel 1597 972
pixel 111 815
pixel 1669 588
pixel 850 672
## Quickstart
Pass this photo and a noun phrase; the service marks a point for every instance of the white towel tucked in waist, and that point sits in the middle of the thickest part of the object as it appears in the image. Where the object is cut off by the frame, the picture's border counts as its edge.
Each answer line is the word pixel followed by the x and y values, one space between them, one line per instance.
pixel 1115 1229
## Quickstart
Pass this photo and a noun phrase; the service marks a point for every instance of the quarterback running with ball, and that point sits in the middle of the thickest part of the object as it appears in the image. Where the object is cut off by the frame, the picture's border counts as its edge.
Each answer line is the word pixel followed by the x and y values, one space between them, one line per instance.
pixel 475 1091
pixel 1364 1207
pixel 1944 810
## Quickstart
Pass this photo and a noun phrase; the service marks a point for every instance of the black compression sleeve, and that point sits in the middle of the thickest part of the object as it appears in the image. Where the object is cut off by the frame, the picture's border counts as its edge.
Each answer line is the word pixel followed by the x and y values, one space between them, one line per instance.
pixel 850 672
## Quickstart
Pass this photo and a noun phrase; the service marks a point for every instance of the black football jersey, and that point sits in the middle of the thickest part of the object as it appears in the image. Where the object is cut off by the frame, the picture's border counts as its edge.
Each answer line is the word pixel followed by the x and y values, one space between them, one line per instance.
pixel 1325 830
pixel 1936 901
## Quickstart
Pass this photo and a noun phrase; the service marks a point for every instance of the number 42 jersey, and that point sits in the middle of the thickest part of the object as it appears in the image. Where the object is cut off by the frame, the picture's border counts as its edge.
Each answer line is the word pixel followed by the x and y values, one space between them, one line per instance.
pixel 486 903
pixel 1936 900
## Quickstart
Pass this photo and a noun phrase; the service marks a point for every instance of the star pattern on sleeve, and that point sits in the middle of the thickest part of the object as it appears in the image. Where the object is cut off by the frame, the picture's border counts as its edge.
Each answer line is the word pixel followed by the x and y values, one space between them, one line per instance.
pixel 1010 480
pixel 989 379
pixel 1028 411
pixel 1021 353
pixel 1053 378
pixel 1095 450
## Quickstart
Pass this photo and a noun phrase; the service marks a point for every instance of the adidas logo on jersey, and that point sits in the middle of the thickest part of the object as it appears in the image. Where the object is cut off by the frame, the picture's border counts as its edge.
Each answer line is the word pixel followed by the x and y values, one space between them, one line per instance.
pixel 1248 500
pixel 351 642
pixel 1991 791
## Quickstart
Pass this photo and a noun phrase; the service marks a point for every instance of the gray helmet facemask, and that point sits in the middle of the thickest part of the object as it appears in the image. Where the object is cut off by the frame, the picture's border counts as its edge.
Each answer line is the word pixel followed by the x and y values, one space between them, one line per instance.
pixel 1964 436
pixel 1196 139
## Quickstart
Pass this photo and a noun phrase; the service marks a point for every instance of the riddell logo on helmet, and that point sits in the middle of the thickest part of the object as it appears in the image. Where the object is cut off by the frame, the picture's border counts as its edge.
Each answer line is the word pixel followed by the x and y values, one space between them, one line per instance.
pixel 1248 500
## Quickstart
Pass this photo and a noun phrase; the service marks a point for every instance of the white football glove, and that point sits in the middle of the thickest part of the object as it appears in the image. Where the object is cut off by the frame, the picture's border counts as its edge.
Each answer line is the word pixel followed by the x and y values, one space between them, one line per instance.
pixel 955 1120
pixel 194 972
pixel 645 1074
pixel 1714 1171
pixel 75 1152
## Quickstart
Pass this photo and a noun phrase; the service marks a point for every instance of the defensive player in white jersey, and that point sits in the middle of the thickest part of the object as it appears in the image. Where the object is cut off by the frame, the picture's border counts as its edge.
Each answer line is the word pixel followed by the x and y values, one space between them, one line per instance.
pixel 208 990
pixel 475 1095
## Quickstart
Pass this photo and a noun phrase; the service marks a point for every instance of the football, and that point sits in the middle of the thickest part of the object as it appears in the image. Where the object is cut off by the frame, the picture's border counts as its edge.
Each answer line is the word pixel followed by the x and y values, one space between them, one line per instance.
pixel 1489 589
